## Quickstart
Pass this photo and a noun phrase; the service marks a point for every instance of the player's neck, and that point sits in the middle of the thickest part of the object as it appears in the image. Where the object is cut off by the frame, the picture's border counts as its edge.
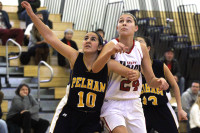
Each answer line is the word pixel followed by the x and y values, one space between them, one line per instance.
pixel 128 41
pixel 89 59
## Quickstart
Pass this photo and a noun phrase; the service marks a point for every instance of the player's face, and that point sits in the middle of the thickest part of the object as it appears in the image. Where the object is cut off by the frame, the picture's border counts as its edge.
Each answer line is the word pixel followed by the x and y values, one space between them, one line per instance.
pixel 91 43
pixel 169 55
pixel 195 88
pixel 24 91
pixel 126 25
pixel 68 36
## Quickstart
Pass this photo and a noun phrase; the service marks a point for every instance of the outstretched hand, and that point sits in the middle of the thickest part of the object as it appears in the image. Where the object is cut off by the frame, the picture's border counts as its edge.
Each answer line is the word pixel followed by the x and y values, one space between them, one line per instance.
pixel 163 84
pixel 27 6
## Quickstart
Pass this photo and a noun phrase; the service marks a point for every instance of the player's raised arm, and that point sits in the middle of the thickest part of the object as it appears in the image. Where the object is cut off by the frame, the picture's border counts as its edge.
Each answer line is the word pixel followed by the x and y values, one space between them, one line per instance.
pixel 49 36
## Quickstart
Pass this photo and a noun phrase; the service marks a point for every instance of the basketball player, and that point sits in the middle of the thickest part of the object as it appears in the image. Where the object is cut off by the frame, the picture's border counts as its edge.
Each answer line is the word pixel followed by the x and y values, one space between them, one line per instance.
pixel 158 112
pixel 122 109
pixel 81 113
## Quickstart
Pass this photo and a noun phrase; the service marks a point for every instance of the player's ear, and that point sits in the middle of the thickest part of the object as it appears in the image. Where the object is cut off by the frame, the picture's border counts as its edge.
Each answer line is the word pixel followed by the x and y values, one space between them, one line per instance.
pixel 136 28
pixel 100 47
pixel 149 48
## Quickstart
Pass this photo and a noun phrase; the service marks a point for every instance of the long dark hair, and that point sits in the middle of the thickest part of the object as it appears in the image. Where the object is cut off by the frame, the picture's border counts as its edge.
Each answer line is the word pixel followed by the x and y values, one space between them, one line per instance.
pixel 19 88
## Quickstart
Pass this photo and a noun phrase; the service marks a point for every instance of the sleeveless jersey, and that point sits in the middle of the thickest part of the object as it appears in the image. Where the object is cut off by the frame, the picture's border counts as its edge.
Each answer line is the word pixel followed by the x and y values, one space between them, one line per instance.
pixel 120 88
pixel 152 96
pixel 87 89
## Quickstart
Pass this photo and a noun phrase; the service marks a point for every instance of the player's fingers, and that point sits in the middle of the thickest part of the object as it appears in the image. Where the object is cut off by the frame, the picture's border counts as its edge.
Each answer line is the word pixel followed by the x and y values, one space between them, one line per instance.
pixel 132 78
pixel 23 5
pixel 119 49
pixel 125 49
pixel 122 47
pixel 135 76
pixel 185 118
pixel 160 88
pixel 164 84
pixel 164 87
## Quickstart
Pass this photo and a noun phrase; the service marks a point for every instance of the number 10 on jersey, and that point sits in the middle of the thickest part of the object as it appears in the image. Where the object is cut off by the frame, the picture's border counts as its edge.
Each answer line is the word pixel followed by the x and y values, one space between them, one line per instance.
pixel 90 99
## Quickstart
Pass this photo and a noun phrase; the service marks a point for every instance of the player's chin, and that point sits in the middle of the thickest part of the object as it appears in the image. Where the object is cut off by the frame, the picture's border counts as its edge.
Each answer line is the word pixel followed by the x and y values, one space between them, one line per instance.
pixel 124 33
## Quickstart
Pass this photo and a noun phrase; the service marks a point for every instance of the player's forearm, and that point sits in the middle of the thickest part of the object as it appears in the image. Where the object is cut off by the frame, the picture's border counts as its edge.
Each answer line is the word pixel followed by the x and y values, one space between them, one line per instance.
pixel 102 59
pixel 100 63
pixel 177 96
pixel 124 71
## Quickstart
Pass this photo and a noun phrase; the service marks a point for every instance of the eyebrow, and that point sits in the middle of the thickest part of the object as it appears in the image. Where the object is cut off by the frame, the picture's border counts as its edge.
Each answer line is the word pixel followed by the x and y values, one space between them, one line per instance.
pixel 94 37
